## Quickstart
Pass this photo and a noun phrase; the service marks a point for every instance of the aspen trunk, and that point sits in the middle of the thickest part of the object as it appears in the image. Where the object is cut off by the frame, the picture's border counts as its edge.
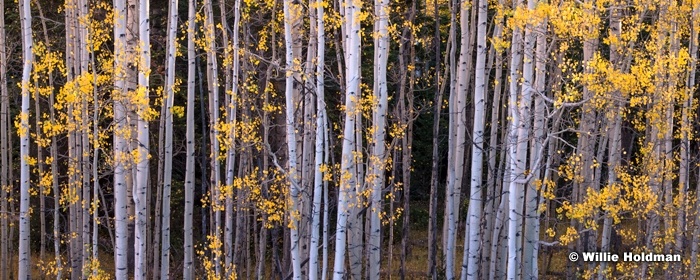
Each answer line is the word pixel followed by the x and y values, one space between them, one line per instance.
pixel 290 102
pixel 168 144
pixel 121 127
pixel 188 266
pixel 28 57
pixel 319 146
pixel 349 181
pixel 4 150
pixel 472 236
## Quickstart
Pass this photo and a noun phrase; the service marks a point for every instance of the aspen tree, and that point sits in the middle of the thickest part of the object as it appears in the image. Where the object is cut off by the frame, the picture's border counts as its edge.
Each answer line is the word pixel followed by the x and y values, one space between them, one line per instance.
pixel 407 116
pixel 434 170
pixel 685 144
pixel 290 124
pixel 470 260
pixel 449 188
pixel 213 88
pixel 168 160
pixel 23 131
pixel 232 69
pixel 530 240
pixel 4 149
pixel 84 154
pixel 377 161
pixel 319 146
pixel 458 121
pixel 120 128
pixel 188 262
pixel 348 168
pixel 517 145
pixel 615 134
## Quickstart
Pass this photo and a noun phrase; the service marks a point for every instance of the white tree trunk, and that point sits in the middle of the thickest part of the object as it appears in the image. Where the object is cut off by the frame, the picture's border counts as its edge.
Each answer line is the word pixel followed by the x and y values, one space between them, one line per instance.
pixel 24 259
pixel 120 152
pixel 517 149
pixel 531 240
pixel 319 147
pixel 168 159
pixel 213 87
pixel 188 266
pixel 378 158
pixel 290 103
pixel 458 108
pixel 348 168
pixel 231 152
pixel 141 186
pixel 4 150
pixel 472 236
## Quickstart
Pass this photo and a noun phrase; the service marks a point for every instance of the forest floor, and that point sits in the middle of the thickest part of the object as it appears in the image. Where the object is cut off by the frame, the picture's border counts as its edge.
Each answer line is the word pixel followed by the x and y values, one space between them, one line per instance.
pixel 553 261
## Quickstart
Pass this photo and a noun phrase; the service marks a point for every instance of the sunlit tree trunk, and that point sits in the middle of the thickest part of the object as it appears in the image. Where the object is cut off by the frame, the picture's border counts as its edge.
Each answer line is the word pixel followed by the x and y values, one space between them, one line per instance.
pixel 24 259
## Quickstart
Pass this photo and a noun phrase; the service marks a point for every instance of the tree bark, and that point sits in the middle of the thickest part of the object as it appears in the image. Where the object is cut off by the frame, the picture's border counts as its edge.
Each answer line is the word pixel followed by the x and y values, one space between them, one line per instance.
pixel 24 214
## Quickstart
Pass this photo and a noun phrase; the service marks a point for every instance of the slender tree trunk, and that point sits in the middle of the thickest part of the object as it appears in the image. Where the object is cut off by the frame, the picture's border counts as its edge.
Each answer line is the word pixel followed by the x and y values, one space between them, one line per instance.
pixel 142 166
pixel 290 102
pixel 24 259
pixel 435 161
pixel 348 181
pixel 378 158
pixel 470 260
pixel 188 266
pixel 121 127
pixel 531 217
pixel 517 149
pixel 232 70
pixel 458 108
pixel 320 144
pixel 168 144
pixel 4 150
pixel 407 115
pixel 685 143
